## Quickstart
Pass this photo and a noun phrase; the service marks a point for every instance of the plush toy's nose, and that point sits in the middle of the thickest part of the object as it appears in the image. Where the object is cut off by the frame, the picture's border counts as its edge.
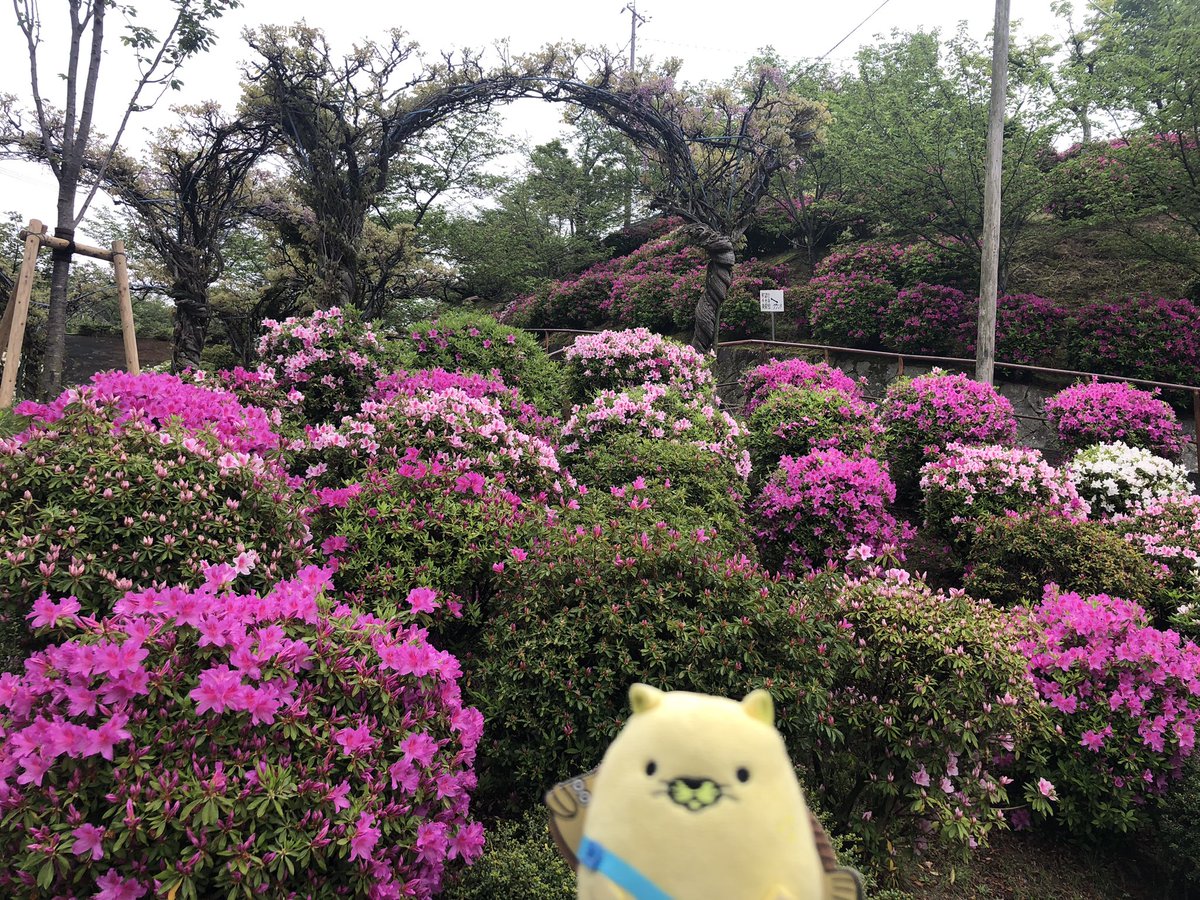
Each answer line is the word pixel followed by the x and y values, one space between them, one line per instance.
pixel 694 793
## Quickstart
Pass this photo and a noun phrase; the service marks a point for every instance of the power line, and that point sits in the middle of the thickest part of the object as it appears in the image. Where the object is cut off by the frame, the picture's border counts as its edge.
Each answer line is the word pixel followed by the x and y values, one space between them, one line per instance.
pixel 847 37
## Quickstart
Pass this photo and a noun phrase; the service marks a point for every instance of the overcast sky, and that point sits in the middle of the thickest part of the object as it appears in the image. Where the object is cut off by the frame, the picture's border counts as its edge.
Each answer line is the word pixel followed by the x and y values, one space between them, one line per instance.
pixel 711 39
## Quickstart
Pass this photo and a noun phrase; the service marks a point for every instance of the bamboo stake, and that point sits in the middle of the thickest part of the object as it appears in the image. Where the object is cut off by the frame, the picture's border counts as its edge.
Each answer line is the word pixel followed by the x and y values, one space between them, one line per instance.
pixel 121 269
pixel 20 314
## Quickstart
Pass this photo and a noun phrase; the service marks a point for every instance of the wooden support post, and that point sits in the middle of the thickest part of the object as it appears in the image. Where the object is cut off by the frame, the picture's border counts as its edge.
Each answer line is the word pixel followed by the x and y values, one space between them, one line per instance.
pixel 985 341
pixel 1196 422
pixel 126 305
pixel 6 320
pixel 20 315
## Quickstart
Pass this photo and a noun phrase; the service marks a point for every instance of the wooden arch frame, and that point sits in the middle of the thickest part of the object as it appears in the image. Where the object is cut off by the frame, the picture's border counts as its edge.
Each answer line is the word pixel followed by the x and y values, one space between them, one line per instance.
pixel 16 314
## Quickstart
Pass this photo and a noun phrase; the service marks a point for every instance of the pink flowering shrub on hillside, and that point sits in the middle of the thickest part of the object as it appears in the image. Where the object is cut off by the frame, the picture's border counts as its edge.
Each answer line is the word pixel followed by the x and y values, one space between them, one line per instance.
pixel 878 261
pixel 465 433
pixel 846 310
pixel 615 360
pixel 762 381
pixel 159 399
pixel 655 287
pixel 324 363
pixel 928 413
pixel 1157 338
pixel 818 508
pixel 1127 699
pixel 963 485
pixel 1104 412
pixel 92 511
pixel 203 742
pixel 928 691
pixel 659 413
pixel 925 319
pixel 1030 330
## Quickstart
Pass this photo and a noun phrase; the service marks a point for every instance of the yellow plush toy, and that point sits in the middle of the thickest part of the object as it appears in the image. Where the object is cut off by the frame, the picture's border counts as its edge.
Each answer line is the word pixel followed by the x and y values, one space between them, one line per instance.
pixel 695 798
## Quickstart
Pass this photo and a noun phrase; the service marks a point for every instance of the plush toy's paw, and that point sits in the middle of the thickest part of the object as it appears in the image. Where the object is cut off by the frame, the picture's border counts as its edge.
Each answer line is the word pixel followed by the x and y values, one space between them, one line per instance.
pixel 845 884
pixel 778 892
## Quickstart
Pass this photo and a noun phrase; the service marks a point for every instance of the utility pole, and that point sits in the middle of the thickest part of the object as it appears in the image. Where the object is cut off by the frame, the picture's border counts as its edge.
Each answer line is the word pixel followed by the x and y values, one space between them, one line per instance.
pixel 985 340
pixel 634 20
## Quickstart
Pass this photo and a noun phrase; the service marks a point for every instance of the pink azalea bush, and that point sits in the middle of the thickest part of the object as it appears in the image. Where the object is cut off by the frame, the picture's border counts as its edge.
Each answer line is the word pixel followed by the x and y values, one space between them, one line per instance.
pixel 794 421
pixel 928 693
pixel 928 413
pixel 660 413
pixel 93 511
pixel 160 399
pixel 846 310
pixel 420 382
pixel 323 364
pixel 1157 338
pixel 817 508
pixel 450 427
pixel 204 742
pixel 878 261
pixel 963 485
pixel 1167 531
pixel 1104 412
pixel 925 319
pixel 762 381
pixel 467 342
pixel 615 360
pixel 1030 330
pixel 1126 698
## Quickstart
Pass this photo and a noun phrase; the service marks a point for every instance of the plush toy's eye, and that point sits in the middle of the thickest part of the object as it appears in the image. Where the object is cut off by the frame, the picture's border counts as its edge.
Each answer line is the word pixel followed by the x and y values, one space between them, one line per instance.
pixel 651 767
pixel 743 775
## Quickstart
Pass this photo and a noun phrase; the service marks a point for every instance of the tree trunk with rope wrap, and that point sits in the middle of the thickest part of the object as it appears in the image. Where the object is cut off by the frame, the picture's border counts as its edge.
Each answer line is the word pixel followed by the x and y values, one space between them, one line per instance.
pixel 718 276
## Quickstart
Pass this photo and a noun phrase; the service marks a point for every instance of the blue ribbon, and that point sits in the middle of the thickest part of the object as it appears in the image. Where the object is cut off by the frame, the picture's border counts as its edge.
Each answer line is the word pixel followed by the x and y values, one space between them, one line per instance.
pixel 604 862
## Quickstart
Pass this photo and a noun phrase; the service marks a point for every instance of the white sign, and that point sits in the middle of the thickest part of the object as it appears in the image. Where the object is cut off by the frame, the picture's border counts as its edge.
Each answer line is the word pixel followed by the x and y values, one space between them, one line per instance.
pixel 770 301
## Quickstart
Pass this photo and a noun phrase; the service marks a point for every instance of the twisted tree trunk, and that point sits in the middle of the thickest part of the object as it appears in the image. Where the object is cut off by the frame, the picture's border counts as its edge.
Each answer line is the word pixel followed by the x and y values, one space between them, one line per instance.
pixel 717 278
pixel 192 315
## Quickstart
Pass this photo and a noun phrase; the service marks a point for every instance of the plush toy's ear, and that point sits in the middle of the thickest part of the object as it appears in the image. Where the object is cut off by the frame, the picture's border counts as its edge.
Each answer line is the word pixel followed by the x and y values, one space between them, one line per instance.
pixel 759 705
pixel 643 698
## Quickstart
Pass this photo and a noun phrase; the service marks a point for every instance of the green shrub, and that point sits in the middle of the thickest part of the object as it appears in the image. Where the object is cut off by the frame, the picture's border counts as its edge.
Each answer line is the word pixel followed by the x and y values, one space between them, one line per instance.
pixel 519 862
pixel 1173 837
pixel 929 692
pixel 795 421
pixel 426 525
pixel 1014 557
pixel 594 609
pixel 688 487
pixel 476 343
